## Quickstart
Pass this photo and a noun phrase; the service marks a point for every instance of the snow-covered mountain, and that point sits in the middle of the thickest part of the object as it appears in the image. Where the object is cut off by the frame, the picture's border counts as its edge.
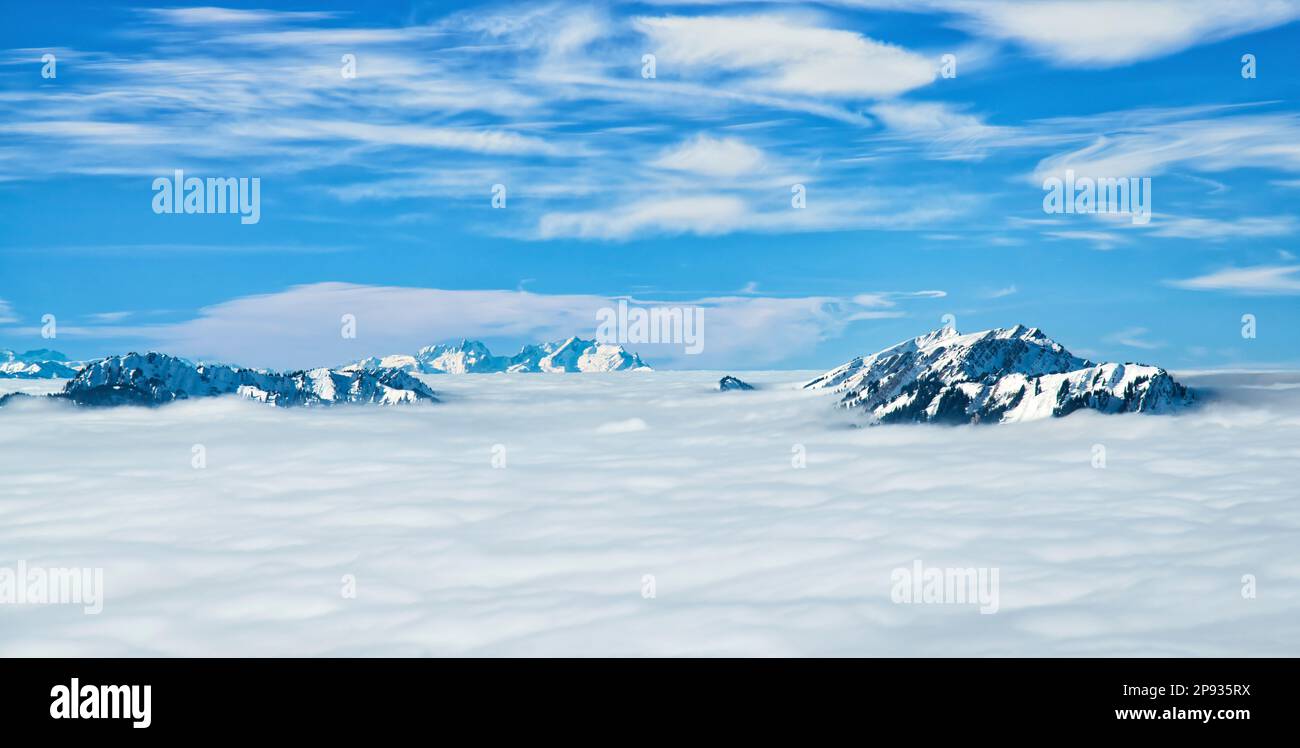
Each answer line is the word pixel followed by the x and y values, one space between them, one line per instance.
pixel 37 364
pixel 156 378
pixel 576 354
pixel 1002 375
pixel 472 357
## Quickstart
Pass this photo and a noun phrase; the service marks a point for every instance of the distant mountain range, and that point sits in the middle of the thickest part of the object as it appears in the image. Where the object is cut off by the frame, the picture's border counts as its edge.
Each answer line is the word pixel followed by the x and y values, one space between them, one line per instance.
pixel 994 376
pixel 156 379
pixel 38 364
pixel 466 357
pixel 472 357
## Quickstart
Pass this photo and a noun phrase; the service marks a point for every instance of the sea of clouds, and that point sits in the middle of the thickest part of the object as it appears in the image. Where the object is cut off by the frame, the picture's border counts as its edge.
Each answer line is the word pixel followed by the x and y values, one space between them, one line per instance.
pixel 609 479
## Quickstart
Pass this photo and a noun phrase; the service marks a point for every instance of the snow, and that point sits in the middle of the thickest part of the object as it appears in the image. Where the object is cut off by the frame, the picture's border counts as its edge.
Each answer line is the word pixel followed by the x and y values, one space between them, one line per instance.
pixel 608 478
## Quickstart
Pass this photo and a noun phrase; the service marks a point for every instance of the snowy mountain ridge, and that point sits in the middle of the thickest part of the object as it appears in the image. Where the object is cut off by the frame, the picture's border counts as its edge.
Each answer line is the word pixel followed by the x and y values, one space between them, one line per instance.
pixel 157 378
pixel 1001 376
pixel 473 357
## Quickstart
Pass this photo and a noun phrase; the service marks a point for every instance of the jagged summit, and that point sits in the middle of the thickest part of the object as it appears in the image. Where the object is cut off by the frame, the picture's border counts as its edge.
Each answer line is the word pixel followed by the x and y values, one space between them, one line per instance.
pixel 999 375
pixel 730 383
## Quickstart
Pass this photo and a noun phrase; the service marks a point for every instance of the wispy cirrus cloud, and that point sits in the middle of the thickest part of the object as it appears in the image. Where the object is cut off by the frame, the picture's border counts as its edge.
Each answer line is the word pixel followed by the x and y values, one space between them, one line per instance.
pixel 944 130
pixel 490 94
pixel 783 55
pixel 1146 144
pixel 1102 240
pixel 215 16
pixel 758 211
pixel 108 317
pixel 1222 229
pixel 549 100
pixel 704 154
pixel 473 140
pixel 1106 33
pixel 700 214
pixel 1103 33
pixel 1134 337
pixel 1256 280
pixel 1002 293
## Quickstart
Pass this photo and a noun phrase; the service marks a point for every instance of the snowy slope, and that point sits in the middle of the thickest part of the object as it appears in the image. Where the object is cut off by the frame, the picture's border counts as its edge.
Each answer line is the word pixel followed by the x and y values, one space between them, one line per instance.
pixel 1001 375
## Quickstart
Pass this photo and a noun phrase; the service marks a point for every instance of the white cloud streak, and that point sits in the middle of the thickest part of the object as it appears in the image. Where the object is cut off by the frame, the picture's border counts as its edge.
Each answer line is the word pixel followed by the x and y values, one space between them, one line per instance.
pixel 1147 149
pixel 1134 337
pixel 703 154
pixel 783 55
pixel 1103 33
pixel 1260 280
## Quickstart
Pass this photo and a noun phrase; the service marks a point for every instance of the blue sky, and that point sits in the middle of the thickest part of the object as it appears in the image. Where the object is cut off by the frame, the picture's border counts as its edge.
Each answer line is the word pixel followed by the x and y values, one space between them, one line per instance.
pixel 924 192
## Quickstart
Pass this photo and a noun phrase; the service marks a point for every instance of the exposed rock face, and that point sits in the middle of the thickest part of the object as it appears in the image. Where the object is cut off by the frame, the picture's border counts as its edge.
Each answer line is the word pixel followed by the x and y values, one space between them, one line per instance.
pixel 731 383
